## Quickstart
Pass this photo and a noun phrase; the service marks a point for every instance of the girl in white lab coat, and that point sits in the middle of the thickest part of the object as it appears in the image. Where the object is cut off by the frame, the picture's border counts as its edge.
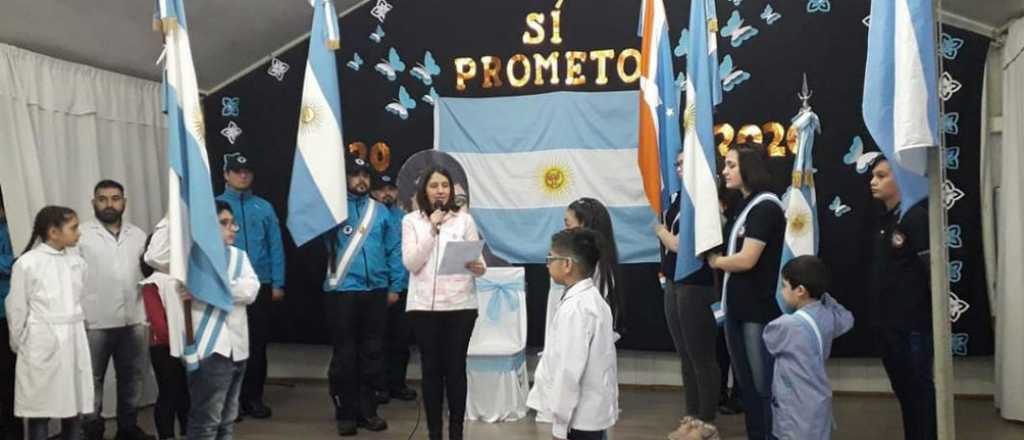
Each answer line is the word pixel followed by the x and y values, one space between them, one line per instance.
pixel 576 381
pixel 44 309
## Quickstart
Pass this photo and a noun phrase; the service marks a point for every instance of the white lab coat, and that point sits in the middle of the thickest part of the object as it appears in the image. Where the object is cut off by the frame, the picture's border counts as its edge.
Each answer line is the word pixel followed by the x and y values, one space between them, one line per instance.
pixel 576 380
pixel 44 312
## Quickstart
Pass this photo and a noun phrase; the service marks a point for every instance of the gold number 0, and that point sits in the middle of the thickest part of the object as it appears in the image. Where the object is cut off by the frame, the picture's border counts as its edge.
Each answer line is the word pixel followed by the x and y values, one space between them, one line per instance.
pixel 379 155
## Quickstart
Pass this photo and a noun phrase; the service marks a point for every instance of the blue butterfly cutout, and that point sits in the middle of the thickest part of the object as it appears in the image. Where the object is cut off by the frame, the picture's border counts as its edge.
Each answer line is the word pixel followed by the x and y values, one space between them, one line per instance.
pixel 819 6
pixel 356 62
pixel 736 31
pixel 405 99
pixel 958 343
pixel 769 15
pixel 392 66
pixel 230 106
pixel 856 149
pixel 955 271
pixel 404 104
pixel 430 97
pixel 951 46
pixel 954 240
pixel 953 158
pixel 731 78
pixel 838 208
pixel 734 23
pixel 951 123
pixel 378 35
pixel 426 70
pixel 683 46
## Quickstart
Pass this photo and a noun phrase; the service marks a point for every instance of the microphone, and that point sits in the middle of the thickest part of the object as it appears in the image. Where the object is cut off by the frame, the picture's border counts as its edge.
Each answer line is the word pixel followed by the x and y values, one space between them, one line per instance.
pixel 439 206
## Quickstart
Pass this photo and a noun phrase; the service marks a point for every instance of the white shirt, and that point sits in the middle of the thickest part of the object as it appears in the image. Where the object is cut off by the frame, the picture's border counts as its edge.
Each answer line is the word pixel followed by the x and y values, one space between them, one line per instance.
pixel 576 380
pixel 112 297
pixel 232 341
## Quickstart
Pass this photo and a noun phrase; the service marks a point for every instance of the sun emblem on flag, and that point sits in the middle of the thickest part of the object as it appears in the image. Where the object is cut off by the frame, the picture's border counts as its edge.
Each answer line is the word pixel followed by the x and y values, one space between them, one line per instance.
pixel 555 179
pixel 311 117
pixel 799 222
pixel 690 117
pixel 199 125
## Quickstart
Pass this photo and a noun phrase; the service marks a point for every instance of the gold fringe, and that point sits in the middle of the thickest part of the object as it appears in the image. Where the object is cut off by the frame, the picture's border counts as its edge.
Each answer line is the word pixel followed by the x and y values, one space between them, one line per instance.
pixel 333 44
pixel 169 23
pixel 156 26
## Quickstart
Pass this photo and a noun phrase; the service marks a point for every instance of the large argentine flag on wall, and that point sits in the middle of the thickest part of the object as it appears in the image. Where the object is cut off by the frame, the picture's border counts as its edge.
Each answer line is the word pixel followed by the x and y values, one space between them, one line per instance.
pixel 801 236
pixel 316 199
pixel 901 105
pixel 540 153
pixel 198 254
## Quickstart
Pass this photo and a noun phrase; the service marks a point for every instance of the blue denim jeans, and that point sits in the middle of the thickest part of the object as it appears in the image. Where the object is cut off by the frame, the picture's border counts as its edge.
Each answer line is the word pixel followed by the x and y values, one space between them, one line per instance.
pixel 214 390
pixel 752 366
pixel 129 348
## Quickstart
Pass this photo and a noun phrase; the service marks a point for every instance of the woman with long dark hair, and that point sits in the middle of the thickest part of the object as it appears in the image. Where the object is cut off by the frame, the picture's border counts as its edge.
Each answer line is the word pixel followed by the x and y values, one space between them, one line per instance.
pixel 441 308
pixel 751 264
pixel 592 214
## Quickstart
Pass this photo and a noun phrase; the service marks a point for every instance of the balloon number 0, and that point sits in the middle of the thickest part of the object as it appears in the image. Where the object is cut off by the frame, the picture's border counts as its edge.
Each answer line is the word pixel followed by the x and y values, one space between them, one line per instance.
pixel 379 155
pixel 750 133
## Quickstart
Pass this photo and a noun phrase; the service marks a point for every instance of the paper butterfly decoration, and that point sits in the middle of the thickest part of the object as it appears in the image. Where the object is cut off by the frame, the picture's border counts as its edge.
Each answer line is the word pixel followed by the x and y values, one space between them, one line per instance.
pixel 951 123
pixel 769 15
pixel 430 97
pixel 229 106
pixel 378 35
pixel 950 194
pixel 838 208
pixel 954 240
pixel 380 10
pixel 736 31
pixel 390 67
pixel 856 149
pixel 232 132
pixel 950 46
pixel 956 268
pixel 681 81
pixel 277 69
pixel 426 70
pixel 736 2
pixel 683 45
pixel 958 343
pixel 948 86
pixel 823 6
pixel 957 307
pixel 731 77
pixel 402 106
pixel 953 158
pixel 356 62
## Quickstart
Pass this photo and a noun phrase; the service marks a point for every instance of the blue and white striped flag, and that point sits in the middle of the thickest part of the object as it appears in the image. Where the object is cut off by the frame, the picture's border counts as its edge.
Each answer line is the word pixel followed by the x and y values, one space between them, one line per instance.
pixel 700 227
pixel 801 236
pixel 901 104
pixel 317 197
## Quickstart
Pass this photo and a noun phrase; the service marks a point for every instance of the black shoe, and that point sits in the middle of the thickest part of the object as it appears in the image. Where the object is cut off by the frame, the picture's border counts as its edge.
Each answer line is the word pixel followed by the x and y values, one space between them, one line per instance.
pixel 347 428
pixel 374 423
pixel 256 410
pixel 133 433
pixel 405 394
pixel 381 397
pixel 93 430
pixel 731 406
pixel 455 431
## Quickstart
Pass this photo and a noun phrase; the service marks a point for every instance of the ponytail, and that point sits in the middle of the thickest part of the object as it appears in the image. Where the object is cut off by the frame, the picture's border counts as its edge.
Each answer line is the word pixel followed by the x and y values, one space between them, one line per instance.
pixel 48 217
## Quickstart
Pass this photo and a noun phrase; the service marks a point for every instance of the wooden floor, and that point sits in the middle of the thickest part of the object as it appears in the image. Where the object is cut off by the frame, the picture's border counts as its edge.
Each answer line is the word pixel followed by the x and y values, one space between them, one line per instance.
pixel 302 412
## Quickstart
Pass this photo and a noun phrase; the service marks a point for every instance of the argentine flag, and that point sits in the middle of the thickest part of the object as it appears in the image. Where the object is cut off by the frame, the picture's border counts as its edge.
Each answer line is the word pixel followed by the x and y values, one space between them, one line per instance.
pixel 528 157
pixel 901 104
pixel 700 227
pixel 316 198
pixel 801 236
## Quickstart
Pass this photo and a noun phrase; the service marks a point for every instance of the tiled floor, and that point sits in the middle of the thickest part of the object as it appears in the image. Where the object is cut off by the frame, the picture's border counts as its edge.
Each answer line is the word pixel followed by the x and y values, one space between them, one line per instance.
pixel 302 412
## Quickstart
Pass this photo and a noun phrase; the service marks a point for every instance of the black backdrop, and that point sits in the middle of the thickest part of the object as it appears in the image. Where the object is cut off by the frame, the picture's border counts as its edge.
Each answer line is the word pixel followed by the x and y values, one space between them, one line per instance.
pixel 828 46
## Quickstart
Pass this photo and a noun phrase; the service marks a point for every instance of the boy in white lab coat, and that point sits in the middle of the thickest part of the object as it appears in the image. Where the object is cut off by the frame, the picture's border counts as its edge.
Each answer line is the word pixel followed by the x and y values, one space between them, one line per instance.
pixel 800 343
pixel 576 380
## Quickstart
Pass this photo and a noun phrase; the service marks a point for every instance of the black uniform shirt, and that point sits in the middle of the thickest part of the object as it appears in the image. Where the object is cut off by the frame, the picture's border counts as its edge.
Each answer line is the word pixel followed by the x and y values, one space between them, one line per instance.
pixel 900 296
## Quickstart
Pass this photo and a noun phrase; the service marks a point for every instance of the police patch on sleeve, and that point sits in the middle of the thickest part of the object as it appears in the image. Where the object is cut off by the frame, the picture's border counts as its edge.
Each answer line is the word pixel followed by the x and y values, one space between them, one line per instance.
pixel 347 230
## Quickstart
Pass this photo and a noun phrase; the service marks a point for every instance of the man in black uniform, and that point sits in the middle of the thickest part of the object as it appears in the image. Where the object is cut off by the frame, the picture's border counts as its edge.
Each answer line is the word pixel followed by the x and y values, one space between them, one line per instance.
pixel 900 301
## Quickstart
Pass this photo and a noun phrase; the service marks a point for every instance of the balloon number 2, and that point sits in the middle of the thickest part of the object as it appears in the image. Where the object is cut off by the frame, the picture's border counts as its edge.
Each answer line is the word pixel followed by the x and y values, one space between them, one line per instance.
pixel 781 139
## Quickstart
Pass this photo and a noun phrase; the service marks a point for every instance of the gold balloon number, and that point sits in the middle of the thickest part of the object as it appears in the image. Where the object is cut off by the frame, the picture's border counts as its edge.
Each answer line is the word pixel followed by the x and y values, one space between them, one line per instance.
pixel 779 137
pixel 379 155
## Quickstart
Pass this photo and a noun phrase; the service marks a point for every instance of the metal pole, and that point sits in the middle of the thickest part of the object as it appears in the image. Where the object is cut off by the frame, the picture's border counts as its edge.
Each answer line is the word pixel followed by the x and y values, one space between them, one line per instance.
pixel 943 356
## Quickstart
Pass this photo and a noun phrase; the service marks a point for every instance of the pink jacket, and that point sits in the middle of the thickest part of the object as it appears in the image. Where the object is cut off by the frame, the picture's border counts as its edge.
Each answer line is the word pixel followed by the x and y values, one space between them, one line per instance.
pixel 421 252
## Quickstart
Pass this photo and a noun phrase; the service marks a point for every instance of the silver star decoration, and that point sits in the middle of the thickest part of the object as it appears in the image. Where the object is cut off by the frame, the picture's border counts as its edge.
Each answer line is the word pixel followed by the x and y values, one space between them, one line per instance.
pixel 232 132
pixel 669 112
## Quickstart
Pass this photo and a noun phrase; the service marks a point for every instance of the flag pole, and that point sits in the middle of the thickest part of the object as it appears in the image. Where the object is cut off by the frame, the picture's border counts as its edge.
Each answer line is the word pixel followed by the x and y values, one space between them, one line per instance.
pixel 943 356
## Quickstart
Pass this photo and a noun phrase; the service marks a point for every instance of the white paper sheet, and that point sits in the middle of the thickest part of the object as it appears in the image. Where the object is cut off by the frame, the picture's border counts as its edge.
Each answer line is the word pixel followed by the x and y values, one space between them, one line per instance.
pixel 457 254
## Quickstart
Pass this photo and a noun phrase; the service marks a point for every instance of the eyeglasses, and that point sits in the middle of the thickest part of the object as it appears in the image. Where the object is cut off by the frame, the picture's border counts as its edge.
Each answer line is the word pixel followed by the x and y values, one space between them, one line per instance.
pixel 679 164
pixel 551 258
pixel 229 225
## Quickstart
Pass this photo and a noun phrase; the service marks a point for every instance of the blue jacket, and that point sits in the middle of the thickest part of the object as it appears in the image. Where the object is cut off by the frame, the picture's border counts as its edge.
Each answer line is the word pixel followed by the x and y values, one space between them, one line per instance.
pixel 6 263
pixel 378 265
pixel 259 234
pixel 397 213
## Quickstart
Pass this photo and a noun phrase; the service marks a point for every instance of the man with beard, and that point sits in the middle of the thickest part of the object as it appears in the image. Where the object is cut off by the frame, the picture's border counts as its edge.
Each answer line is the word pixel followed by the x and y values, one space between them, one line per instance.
pixel 398 334
pixel 114 314
pixel 259 235
pixel 363 269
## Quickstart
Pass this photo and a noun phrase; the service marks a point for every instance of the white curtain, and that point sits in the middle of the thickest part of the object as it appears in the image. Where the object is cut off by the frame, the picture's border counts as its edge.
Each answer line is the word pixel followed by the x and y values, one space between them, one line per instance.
pixel 66 126
pixel 1010 210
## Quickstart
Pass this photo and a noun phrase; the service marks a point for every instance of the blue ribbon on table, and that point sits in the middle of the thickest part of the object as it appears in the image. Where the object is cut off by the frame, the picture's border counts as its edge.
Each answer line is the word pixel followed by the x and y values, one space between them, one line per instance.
pixel 501 293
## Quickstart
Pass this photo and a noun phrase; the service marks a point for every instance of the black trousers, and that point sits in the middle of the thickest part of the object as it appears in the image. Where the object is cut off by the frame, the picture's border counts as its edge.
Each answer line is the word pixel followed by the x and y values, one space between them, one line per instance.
pixel 692 326
pixel 357 322
pixel 907 357
pixel 259 313
pixel 172 401
pixel 585 435
pixel 10 427
pixel 399 336
pixel 443 338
